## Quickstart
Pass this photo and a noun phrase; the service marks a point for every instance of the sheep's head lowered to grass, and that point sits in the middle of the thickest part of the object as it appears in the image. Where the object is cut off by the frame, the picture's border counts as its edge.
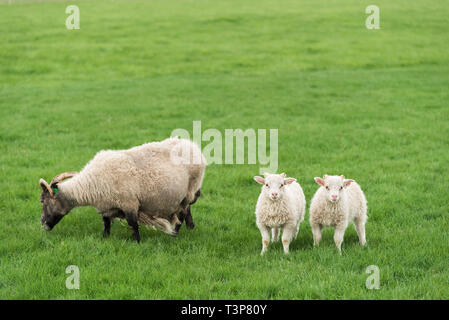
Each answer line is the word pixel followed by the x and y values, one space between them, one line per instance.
pixel 54 205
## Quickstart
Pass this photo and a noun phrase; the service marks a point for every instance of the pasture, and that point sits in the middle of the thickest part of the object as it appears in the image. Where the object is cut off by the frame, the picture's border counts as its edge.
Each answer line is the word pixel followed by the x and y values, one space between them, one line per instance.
pixel 369 104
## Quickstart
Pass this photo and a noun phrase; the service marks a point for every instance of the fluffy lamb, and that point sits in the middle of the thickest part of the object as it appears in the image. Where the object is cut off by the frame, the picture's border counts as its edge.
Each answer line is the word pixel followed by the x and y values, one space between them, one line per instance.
pixel 336 203
pixel 281 205
pixel 148 184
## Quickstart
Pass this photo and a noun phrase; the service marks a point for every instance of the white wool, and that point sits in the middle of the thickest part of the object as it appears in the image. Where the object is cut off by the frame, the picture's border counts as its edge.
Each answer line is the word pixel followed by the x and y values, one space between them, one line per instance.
pixel 146 179
pixel 285 212
pixel 350 206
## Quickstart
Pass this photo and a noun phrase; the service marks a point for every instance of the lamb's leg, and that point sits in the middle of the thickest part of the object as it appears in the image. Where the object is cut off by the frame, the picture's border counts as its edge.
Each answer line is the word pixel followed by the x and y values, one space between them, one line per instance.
pixel 360 228
pixel 338 237
pixel 131 218
pixel 189 219
pixel 288 232
pixel 316 230
pixel 297 229
pixel 107 226
pixel 275 235
pixel 265 232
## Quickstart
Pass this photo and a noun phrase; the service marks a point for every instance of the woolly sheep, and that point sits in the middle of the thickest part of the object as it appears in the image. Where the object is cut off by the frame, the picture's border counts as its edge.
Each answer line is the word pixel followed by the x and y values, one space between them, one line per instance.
pixel 281 205
pixel 147 184
pixel 336 203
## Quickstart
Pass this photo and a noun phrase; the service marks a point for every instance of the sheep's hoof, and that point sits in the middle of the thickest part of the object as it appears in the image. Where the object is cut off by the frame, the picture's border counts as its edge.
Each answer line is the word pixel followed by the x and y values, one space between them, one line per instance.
pixel 190 225
pixel 178 227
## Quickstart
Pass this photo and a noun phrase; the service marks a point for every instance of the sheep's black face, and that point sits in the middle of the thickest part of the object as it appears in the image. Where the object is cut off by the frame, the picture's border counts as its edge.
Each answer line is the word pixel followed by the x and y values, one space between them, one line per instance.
pixel 52 211
pixel 54 205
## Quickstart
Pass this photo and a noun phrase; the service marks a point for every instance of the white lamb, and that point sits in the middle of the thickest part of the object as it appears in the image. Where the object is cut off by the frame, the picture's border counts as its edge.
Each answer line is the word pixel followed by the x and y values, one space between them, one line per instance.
pixel 281 204
pixel 336 203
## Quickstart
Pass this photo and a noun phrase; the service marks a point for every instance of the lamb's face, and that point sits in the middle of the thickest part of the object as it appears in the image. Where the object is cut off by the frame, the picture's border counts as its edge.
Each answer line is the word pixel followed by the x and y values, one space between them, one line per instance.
pixel 334 186
pixel 274 185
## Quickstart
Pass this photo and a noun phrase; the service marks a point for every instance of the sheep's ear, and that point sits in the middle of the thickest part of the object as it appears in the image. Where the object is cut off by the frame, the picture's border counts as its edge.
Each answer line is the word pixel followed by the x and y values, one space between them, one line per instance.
pixel 325 176
pixel 283 174
pixel 347 182
pixel 45 187
pixel 320 181
pixel 266 174
pixel 289 180
pixel 259 179
pixel 343 177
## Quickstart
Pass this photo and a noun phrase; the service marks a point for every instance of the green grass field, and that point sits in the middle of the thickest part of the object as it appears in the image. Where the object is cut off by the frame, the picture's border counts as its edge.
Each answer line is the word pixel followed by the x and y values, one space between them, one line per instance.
pixel 369 104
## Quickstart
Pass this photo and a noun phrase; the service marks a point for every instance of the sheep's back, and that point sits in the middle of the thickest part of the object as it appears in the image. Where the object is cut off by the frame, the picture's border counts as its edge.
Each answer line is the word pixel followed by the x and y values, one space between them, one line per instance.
pixel 356 201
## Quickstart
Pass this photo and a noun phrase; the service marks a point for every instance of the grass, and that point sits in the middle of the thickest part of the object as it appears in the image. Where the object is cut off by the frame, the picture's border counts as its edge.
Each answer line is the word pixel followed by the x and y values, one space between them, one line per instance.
pixel 370 104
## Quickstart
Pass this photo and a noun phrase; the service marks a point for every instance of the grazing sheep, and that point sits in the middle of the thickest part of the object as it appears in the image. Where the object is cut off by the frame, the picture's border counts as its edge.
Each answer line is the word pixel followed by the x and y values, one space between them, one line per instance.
pixel 149 184
pixel 181 148
pixel 336 203
pixel 281 205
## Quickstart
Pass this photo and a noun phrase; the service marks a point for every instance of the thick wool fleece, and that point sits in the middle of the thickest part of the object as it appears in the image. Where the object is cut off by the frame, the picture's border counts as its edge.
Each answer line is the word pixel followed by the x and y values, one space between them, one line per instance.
pixel 287 210
pixel 281 205
pixel 336 203
pixel 150 178
pixel 352 205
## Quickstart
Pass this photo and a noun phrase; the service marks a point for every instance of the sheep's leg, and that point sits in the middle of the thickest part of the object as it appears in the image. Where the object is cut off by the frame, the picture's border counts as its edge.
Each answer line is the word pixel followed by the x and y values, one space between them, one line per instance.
pixel 197 195
pixel 131 218
pixel 265 232
pixel 186 214
pixel 338 237
pixel 316 230
pixel 184 203
pixel 360 228
pixel 288 232
pixel 189 219
pixel 297 229
pixel 107 226
pixel 175 224
pixel 275 235
pixel 181 217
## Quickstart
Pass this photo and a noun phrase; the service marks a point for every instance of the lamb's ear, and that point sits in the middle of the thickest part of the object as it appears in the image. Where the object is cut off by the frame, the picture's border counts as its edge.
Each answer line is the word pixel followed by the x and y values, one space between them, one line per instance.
pixel 320 181
pixel 347 182
pixel 266 174
pixel 325 176
pixel 259 179
pixel 45 187
pixel 289 180
pixel 283 174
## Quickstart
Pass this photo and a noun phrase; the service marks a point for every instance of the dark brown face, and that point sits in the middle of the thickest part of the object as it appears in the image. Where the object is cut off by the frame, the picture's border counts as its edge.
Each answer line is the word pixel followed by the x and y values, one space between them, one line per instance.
pixel 52 211
pixel 54 207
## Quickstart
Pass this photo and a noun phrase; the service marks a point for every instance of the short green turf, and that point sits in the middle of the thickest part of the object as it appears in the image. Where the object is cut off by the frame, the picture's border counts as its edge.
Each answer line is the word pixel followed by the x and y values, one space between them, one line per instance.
pixel 369 104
